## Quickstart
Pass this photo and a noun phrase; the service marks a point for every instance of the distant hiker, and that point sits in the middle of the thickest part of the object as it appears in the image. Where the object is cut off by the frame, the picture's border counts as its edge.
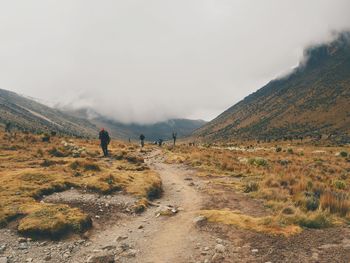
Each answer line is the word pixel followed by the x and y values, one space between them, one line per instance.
pixel 142 140
pixel 174 137
pixel 105 140
pixel 8 127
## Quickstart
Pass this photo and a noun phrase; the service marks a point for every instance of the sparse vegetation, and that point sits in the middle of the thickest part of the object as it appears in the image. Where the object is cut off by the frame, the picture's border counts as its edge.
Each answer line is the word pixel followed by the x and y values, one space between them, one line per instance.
pixel 46 168
pixel 314 184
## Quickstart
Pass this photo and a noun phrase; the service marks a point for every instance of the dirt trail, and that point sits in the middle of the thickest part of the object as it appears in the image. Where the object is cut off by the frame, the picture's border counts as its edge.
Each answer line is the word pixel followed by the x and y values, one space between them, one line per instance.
pixel 158 238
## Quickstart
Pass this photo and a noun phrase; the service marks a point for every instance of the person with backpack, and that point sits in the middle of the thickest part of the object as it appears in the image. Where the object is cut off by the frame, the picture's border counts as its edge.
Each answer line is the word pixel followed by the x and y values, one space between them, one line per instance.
pixel 142 140
pixel 174 137
pixel 105 140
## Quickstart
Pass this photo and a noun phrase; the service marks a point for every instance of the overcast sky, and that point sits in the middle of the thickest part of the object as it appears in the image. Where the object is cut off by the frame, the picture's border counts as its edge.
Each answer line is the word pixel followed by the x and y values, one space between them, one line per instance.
pixel 149 60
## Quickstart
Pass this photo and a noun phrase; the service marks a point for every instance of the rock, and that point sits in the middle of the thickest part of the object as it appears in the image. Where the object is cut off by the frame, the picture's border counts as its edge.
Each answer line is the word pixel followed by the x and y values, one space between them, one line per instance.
pixel 130 253
pixel 102 257
pixel 120 238
pixel 199 220
pixel 188 179
pixel 22 240
pixel 3 260
pixel 255 251
pixel 219 241
pixel 47 258
pixel 140 226
pixel 124 246
pixel 217 258
pixel 220 248
pixel 206 248
pixel 2 248
pixel 29 260
pixel 23 246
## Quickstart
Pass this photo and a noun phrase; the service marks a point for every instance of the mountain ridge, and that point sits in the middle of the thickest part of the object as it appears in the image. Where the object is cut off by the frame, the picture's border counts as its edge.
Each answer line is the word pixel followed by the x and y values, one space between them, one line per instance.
pixel 311 100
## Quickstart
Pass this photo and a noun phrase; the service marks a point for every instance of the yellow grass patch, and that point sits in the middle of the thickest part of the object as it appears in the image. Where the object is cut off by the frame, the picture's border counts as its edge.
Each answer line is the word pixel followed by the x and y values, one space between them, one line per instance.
pixel 259 224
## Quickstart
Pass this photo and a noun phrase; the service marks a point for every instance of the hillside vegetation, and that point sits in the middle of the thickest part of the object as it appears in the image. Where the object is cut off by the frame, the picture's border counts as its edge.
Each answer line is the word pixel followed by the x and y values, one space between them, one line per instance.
pixel 58 165
pixel 311 101
pixel 28 115
pixel 302 186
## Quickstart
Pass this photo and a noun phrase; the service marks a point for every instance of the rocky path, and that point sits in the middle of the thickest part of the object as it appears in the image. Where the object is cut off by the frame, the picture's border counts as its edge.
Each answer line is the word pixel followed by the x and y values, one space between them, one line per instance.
pixel 165 232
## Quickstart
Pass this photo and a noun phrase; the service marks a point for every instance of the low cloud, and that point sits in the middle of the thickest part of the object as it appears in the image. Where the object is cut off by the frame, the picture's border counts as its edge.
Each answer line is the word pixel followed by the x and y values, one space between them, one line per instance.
pixel 147 61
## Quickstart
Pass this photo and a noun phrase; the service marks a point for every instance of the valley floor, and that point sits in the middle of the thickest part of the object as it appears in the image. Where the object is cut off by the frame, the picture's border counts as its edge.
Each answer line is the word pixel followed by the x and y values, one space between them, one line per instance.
pixel 172 230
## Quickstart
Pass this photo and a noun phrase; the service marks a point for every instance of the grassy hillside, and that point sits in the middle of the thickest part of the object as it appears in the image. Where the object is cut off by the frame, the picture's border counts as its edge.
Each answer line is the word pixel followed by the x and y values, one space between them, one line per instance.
pixel 26 114
pixel 313 100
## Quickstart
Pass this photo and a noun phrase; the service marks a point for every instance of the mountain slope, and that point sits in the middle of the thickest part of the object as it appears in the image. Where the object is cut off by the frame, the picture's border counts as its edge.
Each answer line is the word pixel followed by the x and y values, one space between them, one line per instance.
pixel 313 99
pixel 160 130
pixel 26 114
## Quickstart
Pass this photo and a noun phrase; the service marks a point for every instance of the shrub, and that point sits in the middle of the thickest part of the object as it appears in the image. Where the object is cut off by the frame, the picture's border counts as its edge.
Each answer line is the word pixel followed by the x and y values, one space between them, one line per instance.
pixel 278 149
pixel 343 154
pixel 258 161
pixel 339 184
pixel 251 187
pixel 318 220
pixel 290 151
pixel 312 203
pixel 57 153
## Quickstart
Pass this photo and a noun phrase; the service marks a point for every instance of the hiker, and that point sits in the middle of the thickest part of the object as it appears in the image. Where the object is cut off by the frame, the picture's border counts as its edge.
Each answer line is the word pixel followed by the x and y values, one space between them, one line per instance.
pixel 142 140
pixel 8 127
pixel 174 137
pixel 105 140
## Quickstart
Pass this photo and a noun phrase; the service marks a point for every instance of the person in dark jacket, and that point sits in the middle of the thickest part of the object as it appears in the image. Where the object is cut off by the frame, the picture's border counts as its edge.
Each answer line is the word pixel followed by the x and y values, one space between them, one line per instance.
pixel 174 137
pixel 105 140
pixel 142 140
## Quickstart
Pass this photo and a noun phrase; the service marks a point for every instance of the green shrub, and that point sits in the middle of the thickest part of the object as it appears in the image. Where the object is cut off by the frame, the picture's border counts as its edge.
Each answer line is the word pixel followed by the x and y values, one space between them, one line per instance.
pixel 258 161
pixel 339 184
pixel 317 221
pixel 290 151
pixel 278 149
pixel 251 187
pixel 343 154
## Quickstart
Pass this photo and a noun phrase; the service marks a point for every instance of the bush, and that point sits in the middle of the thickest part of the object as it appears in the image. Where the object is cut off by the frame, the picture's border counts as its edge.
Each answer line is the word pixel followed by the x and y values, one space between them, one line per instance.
pixel 290 151
pixel 312 203
pixel 339 184
pixel 57 153
pixel 258 161
pixel 343 154
pixel 316 221
pixel 278 149
pixel 251 187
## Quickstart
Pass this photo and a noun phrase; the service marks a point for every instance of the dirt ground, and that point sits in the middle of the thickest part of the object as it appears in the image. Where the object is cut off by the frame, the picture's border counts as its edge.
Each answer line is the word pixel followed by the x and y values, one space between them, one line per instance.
pixel 170 229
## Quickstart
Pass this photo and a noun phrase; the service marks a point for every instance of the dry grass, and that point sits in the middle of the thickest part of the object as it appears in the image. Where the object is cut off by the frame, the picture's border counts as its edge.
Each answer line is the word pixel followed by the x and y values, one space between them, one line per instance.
pixel 30 168
pixel 314 181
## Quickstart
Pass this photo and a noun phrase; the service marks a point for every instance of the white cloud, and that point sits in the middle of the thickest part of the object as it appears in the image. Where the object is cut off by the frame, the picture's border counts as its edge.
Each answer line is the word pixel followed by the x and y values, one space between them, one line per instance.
pixel 147 61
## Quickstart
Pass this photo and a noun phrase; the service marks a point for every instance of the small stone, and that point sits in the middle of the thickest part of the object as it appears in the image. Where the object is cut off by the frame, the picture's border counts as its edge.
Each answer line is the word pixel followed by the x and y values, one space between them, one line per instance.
pixel 199 220
pixel 102 257
pixel 140 227
pixel 206 248
pixel 219 241
pixel 220 248
pixel 22 240
pixel 131 253
pixel 255 250
pixel 47 258
pixel 23 246
pixel 29 260
pixel 120 238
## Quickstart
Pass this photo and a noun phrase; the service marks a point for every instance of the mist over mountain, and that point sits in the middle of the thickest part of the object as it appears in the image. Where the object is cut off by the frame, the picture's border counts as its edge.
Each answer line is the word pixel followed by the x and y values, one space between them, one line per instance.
pixel 312 100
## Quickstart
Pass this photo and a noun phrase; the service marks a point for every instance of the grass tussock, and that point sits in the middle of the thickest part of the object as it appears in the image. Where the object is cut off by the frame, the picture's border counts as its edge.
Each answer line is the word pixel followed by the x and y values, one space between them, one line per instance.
pixel 58 165
pixel 314 182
